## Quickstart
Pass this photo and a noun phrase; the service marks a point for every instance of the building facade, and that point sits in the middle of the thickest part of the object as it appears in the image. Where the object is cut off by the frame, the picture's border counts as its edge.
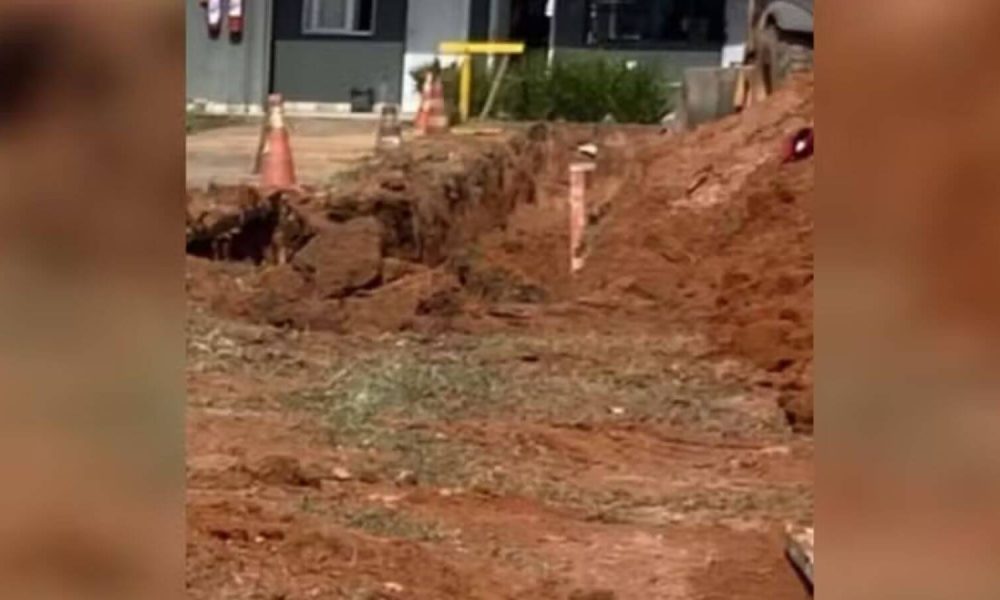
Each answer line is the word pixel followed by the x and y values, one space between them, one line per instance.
pixel 342 55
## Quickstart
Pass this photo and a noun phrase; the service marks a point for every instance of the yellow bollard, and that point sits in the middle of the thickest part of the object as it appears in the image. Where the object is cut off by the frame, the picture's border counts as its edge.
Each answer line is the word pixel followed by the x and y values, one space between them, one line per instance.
pixel 466 50
pixel 465 89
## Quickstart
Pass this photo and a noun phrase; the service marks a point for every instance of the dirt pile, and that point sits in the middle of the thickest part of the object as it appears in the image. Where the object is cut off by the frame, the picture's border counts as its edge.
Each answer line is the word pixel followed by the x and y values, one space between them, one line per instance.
pixel 588 446
pixel 370 254
pixel 707 232
pixel 718 236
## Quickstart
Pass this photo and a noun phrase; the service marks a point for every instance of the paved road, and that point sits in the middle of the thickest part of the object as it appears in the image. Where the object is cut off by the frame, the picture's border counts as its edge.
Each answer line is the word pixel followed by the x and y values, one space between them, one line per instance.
pixel 321 149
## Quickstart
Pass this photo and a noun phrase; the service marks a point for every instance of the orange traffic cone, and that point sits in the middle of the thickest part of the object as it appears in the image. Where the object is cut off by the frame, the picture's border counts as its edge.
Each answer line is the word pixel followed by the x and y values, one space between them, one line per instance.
pixel 277 168
pixel 437 114
pixel 420 122
pixel 432 117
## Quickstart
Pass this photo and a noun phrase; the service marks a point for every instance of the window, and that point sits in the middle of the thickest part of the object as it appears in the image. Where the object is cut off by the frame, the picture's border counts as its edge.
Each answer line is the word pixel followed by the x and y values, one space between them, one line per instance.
pixel 346 17
pixel 651 22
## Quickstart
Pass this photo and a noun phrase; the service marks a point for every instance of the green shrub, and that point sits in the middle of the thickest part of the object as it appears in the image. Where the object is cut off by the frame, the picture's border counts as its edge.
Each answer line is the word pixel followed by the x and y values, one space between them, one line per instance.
pixel 640 95
pixel 526 93
pixel 572 89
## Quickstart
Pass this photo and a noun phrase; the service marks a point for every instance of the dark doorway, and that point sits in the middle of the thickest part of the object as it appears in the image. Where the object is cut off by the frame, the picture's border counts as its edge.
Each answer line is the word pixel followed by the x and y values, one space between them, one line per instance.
pixel 528 23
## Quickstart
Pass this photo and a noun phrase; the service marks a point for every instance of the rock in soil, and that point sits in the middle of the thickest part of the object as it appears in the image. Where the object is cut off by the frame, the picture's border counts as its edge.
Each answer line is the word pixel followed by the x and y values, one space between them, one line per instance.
pixel 343 257
pixel 285 470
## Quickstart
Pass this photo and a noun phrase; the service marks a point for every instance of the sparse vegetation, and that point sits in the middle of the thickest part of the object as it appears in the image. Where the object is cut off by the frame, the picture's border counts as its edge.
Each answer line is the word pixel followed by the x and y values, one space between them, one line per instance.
pixel 402 403
pixel 384 522
pixel 399 387
pixel 392 402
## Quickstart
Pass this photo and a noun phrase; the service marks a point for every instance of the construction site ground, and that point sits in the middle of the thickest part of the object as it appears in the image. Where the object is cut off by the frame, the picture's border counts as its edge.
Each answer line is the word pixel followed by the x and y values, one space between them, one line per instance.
pixel 397 389
pixel 323 149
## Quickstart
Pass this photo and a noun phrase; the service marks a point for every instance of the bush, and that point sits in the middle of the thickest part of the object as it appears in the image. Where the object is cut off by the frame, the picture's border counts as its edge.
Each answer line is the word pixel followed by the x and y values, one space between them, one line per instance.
pixel 526 93
pixel 574 89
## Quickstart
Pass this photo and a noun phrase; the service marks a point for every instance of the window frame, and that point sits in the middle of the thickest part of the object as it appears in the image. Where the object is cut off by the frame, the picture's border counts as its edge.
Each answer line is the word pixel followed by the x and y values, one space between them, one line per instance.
pixel 662 44
pixel 310 18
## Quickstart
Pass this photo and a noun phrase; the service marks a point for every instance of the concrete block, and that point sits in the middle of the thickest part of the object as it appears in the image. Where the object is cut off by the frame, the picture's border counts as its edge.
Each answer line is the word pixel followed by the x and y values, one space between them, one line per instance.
pixel 707 94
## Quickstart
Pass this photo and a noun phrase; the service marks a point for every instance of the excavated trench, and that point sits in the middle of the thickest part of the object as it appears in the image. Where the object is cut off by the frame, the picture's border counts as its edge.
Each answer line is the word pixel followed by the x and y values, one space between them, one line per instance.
pixel 467 233
pixel 252 239
pixel 388 249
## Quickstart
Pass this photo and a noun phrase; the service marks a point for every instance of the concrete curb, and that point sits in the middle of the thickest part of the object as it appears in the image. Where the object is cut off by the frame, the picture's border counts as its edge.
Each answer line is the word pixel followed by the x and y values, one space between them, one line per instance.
pixel 301 110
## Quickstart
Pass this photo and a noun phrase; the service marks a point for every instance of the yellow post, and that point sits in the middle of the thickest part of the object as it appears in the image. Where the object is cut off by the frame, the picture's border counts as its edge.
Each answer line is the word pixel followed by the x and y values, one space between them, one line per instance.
pixel 466 50
pixel 465 89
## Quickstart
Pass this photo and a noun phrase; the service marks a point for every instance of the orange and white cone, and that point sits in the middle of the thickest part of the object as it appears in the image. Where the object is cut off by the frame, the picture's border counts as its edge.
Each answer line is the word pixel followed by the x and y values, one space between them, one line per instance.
pixel 437 114
pixel 277 167
pixel 214 16
pixel 420 122
pixel 235 17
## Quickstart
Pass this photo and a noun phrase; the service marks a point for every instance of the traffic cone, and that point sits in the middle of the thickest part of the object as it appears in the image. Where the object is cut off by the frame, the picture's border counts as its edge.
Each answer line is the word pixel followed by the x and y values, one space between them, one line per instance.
pixel 420 122
pixel 214 17
pixel 277 167
pixel 437 114
pixel 235 18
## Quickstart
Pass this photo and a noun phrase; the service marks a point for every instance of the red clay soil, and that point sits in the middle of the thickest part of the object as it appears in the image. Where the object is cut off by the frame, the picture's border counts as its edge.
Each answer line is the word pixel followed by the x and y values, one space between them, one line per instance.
pixel 706 231
pixel 596 441
pixel 718 235
pixel 555 506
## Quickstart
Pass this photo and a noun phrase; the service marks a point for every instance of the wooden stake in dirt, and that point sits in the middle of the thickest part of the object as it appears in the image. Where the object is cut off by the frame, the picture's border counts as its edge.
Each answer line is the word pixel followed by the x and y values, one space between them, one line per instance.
pixel 577 213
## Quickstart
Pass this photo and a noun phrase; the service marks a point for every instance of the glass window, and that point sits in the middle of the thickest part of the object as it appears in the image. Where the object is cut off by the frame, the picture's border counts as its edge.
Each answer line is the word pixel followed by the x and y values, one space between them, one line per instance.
pixel 339 16
pixel 656 21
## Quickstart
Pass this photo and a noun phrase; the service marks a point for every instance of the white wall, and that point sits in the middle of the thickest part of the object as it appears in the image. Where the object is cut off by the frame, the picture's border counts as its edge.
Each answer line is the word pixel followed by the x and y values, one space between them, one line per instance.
pixel 430 22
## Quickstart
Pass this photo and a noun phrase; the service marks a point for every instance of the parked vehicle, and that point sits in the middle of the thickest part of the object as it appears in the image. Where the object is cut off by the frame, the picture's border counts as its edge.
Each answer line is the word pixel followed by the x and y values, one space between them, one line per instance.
pixel 781 39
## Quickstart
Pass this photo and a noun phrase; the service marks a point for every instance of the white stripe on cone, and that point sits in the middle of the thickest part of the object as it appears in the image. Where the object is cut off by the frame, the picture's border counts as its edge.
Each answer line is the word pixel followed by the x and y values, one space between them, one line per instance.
pixel 214 14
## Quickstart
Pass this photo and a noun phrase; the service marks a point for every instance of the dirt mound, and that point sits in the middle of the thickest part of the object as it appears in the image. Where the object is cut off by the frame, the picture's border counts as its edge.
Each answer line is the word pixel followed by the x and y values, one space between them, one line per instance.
pixel 595 447
pixel 373 254
pixel 719 236
pixel 707 231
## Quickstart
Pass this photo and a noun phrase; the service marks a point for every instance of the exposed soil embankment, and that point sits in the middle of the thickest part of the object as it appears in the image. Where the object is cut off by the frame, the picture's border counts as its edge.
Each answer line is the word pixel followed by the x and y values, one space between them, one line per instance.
pixel 707 232
pixel 368 253
pixel 718 236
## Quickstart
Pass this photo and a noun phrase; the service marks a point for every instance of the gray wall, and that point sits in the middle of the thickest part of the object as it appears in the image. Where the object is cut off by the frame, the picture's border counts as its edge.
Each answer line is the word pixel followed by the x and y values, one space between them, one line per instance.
pixel 428 23
pixel 324 68
pixel 431 22
pixel 221 70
